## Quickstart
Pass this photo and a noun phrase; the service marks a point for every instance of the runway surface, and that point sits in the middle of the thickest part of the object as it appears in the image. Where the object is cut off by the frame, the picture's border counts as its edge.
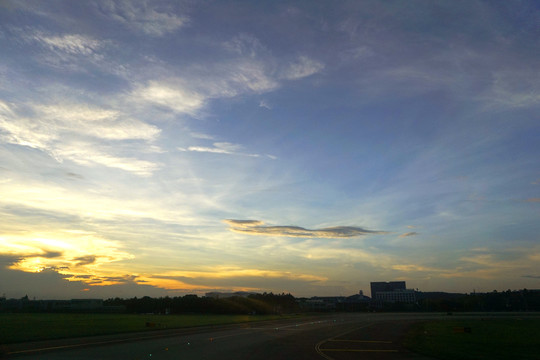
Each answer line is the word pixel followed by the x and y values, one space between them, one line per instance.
pixel 336 336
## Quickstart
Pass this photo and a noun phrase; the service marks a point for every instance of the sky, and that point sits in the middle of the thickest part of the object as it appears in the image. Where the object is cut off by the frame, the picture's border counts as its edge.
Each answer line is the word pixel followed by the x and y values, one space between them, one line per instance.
pixel 164 148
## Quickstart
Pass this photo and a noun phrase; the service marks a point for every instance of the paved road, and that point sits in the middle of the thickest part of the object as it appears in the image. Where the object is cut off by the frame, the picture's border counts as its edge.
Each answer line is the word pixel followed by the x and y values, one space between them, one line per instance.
pixel 339 336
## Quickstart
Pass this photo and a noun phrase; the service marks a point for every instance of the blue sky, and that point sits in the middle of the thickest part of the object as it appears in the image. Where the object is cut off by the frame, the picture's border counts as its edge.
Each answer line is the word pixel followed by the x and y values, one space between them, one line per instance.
pixel 165 148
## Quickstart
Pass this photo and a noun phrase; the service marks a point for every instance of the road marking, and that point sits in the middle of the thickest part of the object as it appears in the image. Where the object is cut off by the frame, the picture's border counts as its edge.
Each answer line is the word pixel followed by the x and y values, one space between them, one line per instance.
pixel 82 344
pixel 363 341
pixel 318 346
pixel 104 342
pixel 358 350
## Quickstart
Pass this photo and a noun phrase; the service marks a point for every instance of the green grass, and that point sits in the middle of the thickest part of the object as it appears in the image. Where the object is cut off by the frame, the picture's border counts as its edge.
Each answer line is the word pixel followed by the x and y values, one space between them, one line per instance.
pixel 31 327
pixel 489 339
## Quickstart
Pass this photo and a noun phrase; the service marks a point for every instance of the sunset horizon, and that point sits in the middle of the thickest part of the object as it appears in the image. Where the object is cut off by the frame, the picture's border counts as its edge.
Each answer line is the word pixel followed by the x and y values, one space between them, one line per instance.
pixel 165 148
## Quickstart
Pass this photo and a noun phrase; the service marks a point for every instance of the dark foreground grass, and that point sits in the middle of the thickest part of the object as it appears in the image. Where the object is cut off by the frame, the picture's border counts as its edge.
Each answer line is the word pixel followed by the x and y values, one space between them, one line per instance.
pixel 487 339
pixel 32 327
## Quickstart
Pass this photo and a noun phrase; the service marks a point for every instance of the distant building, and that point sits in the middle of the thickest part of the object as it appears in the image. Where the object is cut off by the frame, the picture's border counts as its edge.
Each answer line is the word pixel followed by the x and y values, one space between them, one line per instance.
pixel 386 286
pixel 323 303
pixel 407 296
pixel 357 302
pixel 392 292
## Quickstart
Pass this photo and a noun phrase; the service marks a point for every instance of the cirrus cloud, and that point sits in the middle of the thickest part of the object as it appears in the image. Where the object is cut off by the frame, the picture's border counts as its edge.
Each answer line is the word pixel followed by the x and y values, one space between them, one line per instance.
pixel 79 132
pixel 142 16
pixel 412 233
pixel 257 227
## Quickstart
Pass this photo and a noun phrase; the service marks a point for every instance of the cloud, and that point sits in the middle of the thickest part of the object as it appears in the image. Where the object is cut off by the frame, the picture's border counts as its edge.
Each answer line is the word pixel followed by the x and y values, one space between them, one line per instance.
pixel 485 264
pixel 176 96
pixel 223 272
pixel 513 89
pixel 144 16
pixel 302 67
pixel 533 200
pixel 75 132
pixel 50 283
pixel 96 122
pixel 85 260
pixel 265 105
pixel 70 52
pixel 191 92
pixel 220 148
pixel 532 276
pixel 246 76
pixel 256 227
pixel 226 278
pixel 413 233
pixel 76 256
pixel 414 267
pixel 74 44
pixel 201 136
pixel 246 45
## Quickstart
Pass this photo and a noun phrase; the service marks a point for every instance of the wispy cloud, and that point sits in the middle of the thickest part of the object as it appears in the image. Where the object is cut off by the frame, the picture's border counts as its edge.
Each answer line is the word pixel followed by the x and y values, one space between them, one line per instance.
pixel 246 45
pixel 512 89
pixel 201 136
pixel 486 264
pixel 69 52
pixel 220 148
pixel 223 272
pixel 265 105
pixel 417 268
pixel 533 200
pixel 144 16
pixel 227 278
pixel 75 132
pixel 412 233
pixel 256 227
pixel 74 44
pixel 176 96
pixel 302 67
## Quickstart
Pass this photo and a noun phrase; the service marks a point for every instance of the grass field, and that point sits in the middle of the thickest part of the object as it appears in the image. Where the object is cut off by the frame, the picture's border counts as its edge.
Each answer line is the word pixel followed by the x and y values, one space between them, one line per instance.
pixel 487 339
pixel 30 327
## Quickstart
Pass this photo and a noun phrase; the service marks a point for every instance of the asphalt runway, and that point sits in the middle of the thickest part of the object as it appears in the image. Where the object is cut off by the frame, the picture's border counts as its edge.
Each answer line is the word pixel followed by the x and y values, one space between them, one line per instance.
pixel 336 336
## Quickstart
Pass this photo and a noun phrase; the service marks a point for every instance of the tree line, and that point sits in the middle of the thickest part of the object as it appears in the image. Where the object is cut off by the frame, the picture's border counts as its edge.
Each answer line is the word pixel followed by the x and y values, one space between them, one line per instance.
pixel 266 303
pixel 269 303
pixel 520 300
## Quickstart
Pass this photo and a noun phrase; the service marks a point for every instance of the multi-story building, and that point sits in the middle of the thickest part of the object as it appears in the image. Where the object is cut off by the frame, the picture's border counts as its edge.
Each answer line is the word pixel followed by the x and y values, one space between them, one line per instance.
pixel 386 286
pixel 397 296
pixel 392 292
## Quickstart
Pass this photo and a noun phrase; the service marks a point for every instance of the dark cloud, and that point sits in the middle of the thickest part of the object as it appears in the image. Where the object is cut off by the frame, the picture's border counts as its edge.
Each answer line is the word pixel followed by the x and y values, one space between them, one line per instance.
pixel 120 279
pixel 85 260
pixel 49 254
pixel 49 284
pixel 532 276
pixel 8 260
pixel 74 175
pixel 56 268
pixel 46 284
pixel 257 227
pixel 412 233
